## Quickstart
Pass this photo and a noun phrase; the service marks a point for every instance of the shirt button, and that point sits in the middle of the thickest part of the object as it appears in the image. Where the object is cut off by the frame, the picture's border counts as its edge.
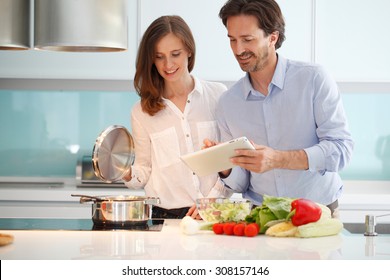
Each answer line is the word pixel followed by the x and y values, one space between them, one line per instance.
pixel 188 101
pixel 193 173
pixel 187 135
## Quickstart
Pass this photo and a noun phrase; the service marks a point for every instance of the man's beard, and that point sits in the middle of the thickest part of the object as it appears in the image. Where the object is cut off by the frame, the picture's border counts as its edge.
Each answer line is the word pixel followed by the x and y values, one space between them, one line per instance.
pixel 259 64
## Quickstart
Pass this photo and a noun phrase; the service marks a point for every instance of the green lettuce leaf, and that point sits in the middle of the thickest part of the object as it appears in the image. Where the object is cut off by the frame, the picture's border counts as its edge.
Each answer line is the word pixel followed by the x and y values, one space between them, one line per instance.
pixel 272 208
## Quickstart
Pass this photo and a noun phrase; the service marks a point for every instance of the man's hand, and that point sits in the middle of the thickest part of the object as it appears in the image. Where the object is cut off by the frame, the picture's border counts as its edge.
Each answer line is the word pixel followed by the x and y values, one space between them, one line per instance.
pixel 264 159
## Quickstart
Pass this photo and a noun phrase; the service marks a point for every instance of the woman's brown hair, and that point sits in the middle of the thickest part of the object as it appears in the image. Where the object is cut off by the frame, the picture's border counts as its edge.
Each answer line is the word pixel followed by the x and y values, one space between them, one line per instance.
pixel 147 81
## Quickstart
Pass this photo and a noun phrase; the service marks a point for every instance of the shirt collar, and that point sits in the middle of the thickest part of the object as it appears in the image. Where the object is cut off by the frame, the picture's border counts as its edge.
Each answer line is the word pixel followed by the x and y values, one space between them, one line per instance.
pixel 277 79
pixel 280 72
pixel 197 88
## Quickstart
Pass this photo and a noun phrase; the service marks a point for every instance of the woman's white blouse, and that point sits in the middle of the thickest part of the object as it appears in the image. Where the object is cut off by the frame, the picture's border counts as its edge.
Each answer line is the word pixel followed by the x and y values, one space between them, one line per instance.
pixel 161 139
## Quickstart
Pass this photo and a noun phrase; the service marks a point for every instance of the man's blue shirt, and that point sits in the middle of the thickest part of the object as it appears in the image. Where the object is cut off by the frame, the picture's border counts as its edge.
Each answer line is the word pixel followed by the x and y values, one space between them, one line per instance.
pixel 303 110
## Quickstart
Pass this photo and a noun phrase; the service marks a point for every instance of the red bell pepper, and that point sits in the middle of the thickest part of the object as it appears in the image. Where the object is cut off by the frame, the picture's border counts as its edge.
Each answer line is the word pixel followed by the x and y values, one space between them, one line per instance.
pixel 304 211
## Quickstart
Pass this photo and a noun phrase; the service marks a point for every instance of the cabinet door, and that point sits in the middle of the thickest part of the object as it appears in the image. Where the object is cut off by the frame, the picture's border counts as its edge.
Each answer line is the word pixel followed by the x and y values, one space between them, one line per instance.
pixel 352 40
pixel 71 65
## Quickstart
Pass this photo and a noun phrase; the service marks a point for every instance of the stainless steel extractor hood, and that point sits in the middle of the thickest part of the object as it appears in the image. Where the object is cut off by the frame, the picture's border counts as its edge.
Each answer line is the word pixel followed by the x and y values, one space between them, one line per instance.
pixel 80 26
pixel 14 24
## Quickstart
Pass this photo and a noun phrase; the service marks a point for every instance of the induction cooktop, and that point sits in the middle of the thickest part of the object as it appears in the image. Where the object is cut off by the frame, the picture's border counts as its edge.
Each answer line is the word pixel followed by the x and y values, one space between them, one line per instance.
pixel 75 224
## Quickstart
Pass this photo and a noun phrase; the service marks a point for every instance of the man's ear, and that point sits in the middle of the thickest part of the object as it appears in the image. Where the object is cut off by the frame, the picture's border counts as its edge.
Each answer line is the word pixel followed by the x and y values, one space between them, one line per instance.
pixel 273 37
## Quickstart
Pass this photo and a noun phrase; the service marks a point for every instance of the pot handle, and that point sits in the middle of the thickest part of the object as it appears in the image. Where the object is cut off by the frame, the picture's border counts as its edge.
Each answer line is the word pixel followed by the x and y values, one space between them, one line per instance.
pixel 152 200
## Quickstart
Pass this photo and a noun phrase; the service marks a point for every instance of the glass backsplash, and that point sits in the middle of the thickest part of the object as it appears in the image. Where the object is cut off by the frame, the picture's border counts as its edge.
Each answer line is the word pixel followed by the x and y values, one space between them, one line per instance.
pixel 45 133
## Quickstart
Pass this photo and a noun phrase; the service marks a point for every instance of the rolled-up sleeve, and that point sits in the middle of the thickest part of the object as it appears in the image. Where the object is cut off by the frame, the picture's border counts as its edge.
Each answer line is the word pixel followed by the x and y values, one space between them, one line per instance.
pixel 238 180
pixel 316 159
pixel 334 150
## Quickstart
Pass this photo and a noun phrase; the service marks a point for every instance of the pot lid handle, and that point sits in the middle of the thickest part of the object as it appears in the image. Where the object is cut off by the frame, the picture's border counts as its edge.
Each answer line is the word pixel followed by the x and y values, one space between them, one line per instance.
pixel 87 198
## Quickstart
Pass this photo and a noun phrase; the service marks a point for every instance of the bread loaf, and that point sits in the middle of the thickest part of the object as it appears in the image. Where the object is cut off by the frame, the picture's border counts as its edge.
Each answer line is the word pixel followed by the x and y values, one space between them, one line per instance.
pixel 6 239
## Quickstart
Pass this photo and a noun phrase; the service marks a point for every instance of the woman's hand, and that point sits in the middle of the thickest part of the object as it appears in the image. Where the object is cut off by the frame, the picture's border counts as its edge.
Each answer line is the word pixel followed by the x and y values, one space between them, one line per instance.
pixel 127 176
pixel 193 213
pixel 207 143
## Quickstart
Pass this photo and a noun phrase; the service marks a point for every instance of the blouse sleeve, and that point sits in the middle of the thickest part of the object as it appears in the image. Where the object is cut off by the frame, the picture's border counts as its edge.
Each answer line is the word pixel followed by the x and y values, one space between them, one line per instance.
pixel 141 168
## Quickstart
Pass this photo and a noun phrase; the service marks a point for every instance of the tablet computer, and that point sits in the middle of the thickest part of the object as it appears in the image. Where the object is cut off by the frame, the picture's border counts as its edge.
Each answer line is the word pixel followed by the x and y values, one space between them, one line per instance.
pixel 216 158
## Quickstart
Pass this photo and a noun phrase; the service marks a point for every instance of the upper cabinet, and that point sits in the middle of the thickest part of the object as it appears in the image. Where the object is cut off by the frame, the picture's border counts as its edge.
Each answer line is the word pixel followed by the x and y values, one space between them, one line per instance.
pixel 34 64
pixel 352 41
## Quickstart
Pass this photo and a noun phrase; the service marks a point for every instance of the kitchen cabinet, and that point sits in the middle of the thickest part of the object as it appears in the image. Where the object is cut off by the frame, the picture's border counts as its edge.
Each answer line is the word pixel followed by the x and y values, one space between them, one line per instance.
pixel 34 64
pixel 351 40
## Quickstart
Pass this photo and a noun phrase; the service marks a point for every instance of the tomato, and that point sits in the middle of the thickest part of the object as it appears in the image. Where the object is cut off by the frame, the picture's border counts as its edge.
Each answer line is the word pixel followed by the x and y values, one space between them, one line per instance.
pixel 218 228
pixel 239 229
pixel 257 226
pixel 228 228
pixel 251 230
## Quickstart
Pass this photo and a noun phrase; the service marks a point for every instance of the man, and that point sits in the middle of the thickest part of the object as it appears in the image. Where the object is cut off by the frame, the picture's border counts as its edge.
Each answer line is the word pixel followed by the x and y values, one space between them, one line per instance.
pixel 291 111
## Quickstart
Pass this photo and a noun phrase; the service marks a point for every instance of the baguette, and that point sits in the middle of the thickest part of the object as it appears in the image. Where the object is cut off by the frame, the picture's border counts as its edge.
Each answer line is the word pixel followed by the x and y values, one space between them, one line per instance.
pixel 6 239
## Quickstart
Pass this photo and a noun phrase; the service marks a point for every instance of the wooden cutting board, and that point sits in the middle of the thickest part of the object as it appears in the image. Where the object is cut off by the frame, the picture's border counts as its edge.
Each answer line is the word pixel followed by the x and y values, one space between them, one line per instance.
pixel 6 239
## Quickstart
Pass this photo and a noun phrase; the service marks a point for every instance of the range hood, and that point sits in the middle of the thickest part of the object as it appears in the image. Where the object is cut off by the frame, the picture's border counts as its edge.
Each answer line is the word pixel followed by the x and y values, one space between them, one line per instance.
pixel 64 25
pixel 82 26
pixel 14 24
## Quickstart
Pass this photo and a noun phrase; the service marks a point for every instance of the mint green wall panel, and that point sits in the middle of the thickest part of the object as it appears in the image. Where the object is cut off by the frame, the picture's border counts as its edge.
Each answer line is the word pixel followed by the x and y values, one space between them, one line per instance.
pixel 44 133
pixel 369 119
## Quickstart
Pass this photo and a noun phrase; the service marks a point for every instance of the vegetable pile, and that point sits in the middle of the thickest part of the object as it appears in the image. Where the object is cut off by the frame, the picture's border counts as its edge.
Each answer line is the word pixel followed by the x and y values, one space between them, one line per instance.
pixel 277 216
pixel 288 217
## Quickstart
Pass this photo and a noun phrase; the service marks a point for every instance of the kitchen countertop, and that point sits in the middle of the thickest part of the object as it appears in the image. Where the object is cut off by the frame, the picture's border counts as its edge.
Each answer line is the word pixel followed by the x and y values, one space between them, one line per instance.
pixel 170 244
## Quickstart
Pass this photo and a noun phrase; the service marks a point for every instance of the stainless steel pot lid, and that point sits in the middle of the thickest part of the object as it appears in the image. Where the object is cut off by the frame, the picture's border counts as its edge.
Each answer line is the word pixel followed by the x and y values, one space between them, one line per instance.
pixel 119 198
pixel 113 153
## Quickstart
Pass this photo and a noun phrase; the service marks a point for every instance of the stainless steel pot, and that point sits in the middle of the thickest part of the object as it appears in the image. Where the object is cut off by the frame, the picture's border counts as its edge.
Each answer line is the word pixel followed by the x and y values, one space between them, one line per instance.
pixel 120 210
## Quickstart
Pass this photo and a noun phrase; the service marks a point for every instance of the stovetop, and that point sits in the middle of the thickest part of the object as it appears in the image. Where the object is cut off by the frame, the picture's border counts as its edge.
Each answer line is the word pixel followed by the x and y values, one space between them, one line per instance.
pixel 75 224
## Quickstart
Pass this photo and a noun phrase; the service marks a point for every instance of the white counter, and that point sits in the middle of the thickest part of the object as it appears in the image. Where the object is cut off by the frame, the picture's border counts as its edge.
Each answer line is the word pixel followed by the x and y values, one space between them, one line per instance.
pixel 171 244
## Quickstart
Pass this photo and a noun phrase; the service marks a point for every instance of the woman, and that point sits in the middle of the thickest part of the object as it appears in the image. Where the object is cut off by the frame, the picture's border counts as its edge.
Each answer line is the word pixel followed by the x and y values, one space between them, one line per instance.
pixel 175 113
